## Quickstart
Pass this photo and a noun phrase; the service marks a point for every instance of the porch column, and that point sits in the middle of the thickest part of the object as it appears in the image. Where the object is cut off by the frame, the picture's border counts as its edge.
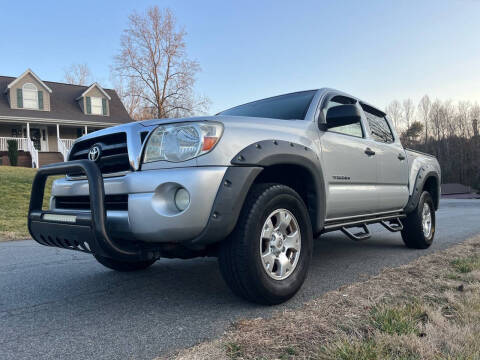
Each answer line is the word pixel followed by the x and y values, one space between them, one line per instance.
pixel 28 130
pixel 86 130
pixel 58 137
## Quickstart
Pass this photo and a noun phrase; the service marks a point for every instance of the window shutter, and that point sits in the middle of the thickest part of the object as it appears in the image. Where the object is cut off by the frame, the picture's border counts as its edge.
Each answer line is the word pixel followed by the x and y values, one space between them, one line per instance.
pixel 19 98
pixel 40 100
pixel 104 106
pixel 89 105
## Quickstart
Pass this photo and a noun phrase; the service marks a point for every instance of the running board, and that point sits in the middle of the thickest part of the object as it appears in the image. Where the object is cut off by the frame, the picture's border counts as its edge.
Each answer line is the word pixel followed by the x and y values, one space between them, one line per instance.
pixel 359 222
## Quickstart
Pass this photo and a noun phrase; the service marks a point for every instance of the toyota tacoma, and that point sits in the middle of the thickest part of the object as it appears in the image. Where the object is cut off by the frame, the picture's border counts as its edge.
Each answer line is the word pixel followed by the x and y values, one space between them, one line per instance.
pixel 252 185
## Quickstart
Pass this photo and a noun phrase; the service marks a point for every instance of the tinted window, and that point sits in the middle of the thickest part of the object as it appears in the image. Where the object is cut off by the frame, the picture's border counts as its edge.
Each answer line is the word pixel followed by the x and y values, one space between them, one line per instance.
pixel 379 128
pixel 351 129
pixel 286 107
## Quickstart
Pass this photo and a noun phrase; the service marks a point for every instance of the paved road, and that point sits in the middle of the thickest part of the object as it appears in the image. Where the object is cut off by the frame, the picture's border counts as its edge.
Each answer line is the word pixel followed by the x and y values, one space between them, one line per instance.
pixel 58 304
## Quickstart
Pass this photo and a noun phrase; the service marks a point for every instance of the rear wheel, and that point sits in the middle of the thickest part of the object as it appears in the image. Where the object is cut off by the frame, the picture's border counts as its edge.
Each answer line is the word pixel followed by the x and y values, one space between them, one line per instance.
pixel 124 266
pixel 266 258
pixel 419 226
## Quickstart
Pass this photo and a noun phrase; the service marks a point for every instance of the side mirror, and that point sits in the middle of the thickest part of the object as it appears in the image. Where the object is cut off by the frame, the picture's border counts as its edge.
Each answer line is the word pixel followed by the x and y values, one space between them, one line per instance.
pixel 343 115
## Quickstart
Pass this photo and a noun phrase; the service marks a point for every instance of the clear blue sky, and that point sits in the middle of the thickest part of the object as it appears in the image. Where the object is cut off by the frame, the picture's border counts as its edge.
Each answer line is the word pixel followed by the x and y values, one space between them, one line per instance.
pixel 377 50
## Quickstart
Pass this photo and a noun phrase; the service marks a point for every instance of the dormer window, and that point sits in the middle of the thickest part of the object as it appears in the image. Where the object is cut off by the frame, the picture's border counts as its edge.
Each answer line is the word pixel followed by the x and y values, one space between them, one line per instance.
pixel 95 101
pixel 97 107
pixel 29 92
pixel 30 96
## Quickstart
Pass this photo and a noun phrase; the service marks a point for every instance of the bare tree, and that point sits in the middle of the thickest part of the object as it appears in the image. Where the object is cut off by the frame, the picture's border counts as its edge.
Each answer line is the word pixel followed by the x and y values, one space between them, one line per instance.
pixel 424 108
pixel 78 74
pixel 475 116
pixel 435 118
pixel 394 111
pixel 452 135
pixel 130 92
pixel 408 110
pixel 462 119
pixel 153 55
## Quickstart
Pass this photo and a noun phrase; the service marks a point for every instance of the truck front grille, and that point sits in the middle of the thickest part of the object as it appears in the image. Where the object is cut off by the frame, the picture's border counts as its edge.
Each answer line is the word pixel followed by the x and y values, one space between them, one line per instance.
pixel 114 152
pixel 112 202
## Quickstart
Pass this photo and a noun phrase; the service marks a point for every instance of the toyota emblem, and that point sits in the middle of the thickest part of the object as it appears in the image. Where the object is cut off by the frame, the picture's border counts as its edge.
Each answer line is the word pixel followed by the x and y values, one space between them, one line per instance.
pixel 94 153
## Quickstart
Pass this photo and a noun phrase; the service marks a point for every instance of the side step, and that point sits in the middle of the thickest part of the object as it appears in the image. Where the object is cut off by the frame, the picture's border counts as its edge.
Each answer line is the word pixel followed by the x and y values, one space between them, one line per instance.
pixel 390 222
pixel 392 225
pixel 366 234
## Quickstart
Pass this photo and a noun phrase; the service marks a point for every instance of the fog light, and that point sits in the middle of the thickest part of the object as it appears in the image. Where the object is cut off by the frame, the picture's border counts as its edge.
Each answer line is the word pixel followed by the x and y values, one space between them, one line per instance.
pixel 182 199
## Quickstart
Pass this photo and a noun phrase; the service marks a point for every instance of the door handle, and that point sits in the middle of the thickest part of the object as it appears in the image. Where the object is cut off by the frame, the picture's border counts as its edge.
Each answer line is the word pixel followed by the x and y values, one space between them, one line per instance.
pixel 401 156
pixel 369 151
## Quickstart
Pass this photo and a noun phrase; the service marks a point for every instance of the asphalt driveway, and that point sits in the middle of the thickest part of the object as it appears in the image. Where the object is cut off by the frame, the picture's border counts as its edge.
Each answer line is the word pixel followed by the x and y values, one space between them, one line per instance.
pixel 59 304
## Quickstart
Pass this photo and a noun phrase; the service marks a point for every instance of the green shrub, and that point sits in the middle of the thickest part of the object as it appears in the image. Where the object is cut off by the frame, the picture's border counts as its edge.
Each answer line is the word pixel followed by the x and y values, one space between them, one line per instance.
pixel 12 152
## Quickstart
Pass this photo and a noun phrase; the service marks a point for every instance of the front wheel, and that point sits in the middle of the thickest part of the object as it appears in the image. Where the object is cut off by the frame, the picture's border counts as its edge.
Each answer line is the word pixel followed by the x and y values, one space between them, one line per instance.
pixel 124 266
pixel 419 226
pixel 266 258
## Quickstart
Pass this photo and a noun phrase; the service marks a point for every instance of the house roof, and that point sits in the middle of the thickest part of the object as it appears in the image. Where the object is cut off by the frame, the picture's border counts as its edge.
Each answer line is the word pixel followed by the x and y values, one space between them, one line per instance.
pixel 29 71
pixel 63 105
pixel 91 87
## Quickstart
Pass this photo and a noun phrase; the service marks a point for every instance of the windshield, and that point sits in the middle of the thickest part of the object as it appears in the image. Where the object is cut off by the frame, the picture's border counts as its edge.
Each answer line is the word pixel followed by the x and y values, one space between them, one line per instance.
pixel 292 106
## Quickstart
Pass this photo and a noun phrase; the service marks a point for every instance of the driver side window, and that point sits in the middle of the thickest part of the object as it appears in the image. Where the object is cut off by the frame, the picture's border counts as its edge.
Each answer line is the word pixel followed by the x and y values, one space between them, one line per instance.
pixel 350 129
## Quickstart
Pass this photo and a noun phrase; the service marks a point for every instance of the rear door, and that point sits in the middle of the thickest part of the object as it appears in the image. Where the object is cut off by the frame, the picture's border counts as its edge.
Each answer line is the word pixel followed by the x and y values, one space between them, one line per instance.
pixel 350 173
pixel 392 166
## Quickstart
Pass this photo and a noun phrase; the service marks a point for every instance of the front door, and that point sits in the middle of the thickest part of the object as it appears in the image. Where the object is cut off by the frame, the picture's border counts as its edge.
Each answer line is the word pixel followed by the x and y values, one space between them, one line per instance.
pixel 39 137
pixel 350 173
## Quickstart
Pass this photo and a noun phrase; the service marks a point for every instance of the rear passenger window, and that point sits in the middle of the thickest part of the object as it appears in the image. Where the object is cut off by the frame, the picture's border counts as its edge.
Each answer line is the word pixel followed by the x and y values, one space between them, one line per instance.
pixel 379 128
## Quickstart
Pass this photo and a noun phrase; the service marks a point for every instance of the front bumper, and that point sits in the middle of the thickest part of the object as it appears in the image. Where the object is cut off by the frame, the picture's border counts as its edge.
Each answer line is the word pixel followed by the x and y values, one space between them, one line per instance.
pixel 151 216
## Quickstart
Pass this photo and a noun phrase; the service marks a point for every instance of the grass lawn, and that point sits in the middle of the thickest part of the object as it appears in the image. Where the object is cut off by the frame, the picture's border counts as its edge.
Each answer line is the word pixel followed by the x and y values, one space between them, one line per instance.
pixel 15 188
pixel 428 309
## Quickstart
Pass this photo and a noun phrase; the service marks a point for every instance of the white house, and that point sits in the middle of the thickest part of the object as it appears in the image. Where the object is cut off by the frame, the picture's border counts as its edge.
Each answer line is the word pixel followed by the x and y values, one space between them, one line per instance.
pixel 46 117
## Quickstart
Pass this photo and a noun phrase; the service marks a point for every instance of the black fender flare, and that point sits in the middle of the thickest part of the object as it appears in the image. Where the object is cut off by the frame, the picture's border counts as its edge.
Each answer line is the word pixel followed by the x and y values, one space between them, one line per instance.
pixel 279 152
pixel 422 177
pixel 239 177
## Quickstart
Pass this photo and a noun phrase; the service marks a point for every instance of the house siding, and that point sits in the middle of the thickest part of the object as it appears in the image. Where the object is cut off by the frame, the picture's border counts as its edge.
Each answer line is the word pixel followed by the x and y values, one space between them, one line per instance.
pixel 28 78
pixel 52 138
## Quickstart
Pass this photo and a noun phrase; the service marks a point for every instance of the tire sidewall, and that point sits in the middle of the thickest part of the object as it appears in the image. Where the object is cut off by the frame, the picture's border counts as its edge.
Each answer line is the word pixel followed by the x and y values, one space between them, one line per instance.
pixel 289 200
pixel 426 198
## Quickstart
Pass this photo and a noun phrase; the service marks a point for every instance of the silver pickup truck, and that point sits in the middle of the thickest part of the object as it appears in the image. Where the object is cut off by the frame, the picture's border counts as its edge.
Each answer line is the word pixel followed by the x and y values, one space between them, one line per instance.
pixel 252 185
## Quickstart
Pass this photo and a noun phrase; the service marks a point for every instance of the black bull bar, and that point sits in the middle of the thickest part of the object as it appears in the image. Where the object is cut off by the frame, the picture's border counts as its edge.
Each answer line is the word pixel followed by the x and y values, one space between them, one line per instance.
pixel 84 231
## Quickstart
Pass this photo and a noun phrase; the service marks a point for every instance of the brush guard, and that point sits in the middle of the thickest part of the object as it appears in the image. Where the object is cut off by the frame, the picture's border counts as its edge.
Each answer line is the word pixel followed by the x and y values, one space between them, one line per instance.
pixel 83 231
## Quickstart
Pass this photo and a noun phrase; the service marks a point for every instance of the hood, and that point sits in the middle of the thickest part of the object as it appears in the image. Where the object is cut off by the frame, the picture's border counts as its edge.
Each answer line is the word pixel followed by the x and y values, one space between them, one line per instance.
pixel 222 119
pixel 153 122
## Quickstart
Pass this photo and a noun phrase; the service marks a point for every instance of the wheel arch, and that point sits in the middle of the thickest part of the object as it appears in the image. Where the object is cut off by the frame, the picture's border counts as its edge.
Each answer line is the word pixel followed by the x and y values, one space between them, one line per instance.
pixel 425 181
pixel 291 164
pixel 433 187
pixel 263 162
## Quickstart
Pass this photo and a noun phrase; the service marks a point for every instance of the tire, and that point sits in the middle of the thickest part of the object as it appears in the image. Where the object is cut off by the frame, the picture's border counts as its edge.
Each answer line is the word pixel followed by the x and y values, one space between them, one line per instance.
pixel 241 254
pixel 413 233
pixel 123 266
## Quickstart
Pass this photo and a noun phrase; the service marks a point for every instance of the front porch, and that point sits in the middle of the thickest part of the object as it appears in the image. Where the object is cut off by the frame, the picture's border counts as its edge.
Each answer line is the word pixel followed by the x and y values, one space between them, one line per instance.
pixel 40 143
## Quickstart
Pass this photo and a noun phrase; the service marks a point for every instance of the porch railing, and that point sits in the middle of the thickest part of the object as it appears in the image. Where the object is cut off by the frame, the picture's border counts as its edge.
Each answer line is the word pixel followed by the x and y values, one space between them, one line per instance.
pixel 23 144
pixel 33 153
pixel 64 146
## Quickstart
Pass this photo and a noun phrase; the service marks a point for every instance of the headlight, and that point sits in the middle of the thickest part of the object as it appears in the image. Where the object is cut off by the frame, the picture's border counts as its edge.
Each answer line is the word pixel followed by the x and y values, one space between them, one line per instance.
pixel 182 141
